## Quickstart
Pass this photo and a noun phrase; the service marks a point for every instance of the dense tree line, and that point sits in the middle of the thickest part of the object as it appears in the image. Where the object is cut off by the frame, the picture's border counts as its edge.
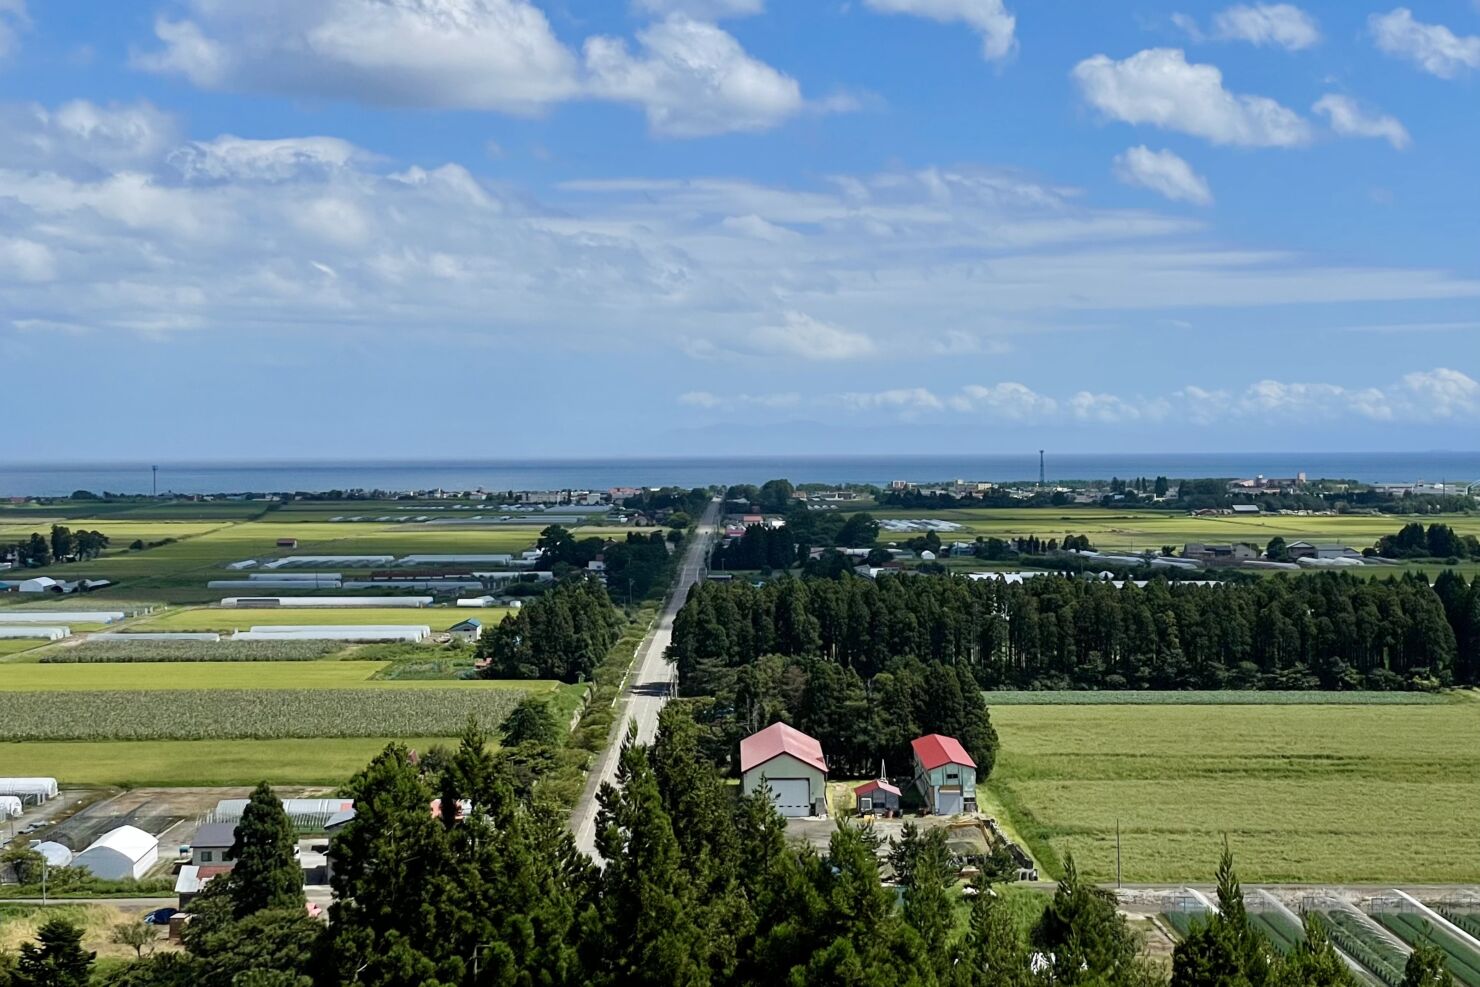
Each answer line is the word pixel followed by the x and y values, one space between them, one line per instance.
pixel 766 547
pixel 1321 630
pixel 1437 541
pixel 650 501
pixel 63 545
pixel 561 634
pixel 637 565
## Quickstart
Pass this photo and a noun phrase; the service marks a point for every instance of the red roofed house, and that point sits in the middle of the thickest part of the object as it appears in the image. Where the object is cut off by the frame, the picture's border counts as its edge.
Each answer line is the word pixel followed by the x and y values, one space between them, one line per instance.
pixel 790 763
pixel 877 796
pixel 945 774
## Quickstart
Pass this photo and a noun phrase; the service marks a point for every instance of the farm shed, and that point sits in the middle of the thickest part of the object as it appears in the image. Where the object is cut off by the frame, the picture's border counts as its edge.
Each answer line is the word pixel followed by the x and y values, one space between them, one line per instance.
pixel 243 564
pixel 125 852
pixel 56 854
pixel 10 806
pixel 790 764
pixel 30 789
pixel 477 601
pixel 61 616
pixel 378 602
pixel 429 560
pixel 40 584
pixel 156 636
pixel 307 577
pixel 37 631
pixel 445 585
pixel 945 774
pixel 287 543
pixel 469 630
pixel 877 796
pixel 347 561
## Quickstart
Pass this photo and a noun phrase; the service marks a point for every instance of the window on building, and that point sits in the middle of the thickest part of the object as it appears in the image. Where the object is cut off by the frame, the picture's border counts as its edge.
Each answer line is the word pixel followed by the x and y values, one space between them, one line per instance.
pixel 205 856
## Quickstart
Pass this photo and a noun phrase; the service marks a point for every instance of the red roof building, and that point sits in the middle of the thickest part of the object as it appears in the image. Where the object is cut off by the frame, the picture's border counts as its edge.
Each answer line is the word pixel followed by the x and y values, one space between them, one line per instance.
pixel 778 739
pixel 935 750
pixel 945 774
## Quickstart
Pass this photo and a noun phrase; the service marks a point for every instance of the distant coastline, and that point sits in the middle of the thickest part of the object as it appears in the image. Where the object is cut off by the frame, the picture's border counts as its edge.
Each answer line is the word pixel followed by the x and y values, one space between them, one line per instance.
pixel 59 480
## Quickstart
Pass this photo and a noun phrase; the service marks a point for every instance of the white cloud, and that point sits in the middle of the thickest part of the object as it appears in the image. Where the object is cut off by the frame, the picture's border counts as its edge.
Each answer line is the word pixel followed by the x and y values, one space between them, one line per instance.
pixel 704 10
pixel 1350 119
pixel 12 19
pixel 477 54
pixel 236 158
pixel 1109 409
pixel 1443 393
pixel 751 225
pixel 1164 173
pixel 807 338
pixel 27 260
pixel 80 137
pixel 711 401
pixel 1158 86
pixel 907 400
pixel 1009 400
pixel 1432 47
pixel 989 18
pixel 692 79
pixel 1280 24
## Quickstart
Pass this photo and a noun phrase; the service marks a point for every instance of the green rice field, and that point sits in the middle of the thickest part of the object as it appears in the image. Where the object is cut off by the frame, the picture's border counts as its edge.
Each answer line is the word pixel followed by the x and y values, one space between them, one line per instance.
pixel 207 763
pixel 1213 697
pixel 21 677
pixel 1307 793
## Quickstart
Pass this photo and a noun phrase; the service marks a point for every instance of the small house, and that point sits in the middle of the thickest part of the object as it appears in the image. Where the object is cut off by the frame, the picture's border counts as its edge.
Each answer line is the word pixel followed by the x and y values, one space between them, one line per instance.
pixel 788 763
pixel 212 845
pixel 945 774
pixel 876 797
pixel 467 631
pixel 1300 550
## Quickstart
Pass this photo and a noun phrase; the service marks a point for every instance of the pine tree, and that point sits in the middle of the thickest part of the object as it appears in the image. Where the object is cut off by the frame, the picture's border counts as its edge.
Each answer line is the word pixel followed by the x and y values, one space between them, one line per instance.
pixel 989 954
pixel 266 874
pixel 55 959
pixel 928 907
pixel 1085 936
pixel 1314 962
pixel 1426 967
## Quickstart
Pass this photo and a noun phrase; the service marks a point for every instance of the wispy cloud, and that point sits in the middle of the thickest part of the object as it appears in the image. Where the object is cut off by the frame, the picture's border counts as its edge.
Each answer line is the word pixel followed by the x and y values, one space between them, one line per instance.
pixel 1163 173
pixel 1351 119
pixel 1432 47
pixel 989 18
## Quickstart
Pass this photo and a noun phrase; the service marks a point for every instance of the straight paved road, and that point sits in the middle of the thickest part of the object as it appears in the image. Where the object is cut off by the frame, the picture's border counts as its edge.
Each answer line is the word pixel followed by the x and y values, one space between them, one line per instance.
pixel 651 684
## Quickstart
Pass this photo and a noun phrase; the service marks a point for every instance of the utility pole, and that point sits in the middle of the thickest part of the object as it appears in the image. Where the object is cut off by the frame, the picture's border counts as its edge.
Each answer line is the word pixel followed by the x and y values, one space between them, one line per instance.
pixel 155 482
pixel 1117 853
pixel 1040 468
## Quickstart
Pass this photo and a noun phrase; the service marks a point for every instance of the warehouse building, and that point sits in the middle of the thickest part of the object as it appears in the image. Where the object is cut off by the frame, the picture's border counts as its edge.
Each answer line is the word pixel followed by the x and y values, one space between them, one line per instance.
pixel 790 764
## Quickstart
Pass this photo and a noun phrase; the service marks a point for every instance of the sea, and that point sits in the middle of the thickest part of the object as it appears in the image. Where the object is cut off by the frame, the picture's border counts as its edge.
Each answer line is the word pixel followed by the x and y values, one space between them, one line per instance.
pixel 61 479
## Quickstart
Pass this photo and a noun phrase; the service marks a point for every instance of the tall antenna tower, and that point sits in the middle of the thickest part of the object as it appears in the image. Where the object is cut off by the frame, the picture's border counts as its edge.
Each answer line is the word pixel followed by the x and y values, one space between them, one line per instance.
pixel 1040 468
pixel 155 480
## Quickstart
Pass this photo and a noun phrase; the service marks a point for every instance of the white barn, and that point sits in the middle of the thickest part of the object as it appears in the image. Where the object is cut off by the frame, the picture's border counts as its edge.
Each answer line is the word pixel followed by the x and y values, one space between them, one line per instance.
pixel 119 854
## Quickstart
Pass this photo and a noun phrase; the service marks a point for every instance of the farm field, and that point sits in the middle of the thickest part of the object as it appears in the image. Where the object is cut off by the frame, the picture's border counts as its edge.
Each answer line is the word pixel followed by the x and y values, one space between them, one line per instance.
pixel 32 677
pixel 202 763
pixel 226 619
pixel 1331 794
pixel 1213 697
pixel 206 537
pixel 1121 530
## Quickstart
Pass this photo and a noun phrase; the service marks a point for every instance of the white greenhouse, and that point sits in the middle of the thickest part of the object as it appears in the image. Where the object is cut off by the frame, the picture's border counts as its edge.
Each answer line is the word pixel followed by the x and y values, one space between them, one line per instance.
pixel 10 806
pixel 399 632
pixel 30 789
pixel 265 602
pixel 261 584
pixel 60 616
pixel 56 855
pixel 36 631
pixel 119 854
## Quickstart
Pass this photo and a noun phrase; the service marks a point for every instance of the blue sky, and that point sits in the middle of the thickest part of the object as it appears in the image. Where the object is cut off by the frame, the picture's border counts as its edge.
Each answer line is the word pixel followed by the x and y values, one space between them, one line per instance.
pixel 403 228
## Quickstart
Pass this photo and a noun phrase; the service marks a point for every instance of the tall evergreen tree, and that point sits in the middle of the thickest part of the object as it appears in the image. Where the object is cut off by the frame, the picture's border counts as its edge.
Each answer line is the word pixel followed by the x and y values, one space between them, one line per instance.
pixel 1313 963
pixel 267 874
pixel 1086 938
pixel 55 959
pixel 989 953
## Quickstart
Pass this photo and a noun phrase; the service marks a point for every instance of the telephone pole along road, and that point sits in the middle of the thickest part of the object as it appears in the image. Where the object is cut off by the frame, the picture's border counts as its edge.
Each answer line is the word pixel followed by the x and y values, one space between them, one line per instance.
pixel 651 683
